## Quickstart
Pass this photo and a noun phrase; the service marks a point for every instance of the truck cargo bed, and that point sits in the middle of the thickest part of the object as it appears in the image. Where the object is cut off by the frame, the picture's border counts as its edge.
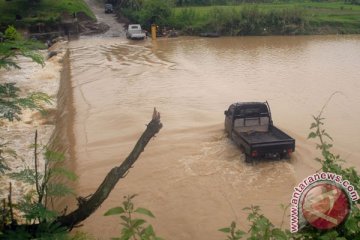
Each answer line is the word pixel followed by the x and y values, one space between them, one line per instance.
pixel 273 135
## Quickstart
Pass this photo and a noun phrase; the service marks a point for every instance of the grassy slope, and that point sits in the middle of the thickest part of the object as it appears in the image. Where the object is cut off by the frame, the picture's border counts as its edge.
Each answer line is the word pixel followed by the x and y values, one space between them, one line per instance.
pixel 320 15
pixel 44 11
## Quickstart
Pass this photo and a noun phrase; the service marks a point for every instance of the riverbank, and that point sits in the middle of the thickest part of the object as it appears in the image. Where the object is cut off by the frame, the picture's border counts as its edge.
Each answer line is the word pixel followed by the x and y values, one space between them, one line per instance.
pixel 19 135
pixel 41 13
pixel 276 18
pixel 49 19
pixel 297 18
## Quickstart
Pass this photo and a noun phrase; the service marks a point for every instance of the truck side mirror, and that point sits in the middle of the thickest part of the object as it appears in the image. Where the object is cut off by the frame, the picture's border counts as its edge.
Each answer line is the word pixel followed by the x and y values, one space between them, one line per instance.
pixel 226 112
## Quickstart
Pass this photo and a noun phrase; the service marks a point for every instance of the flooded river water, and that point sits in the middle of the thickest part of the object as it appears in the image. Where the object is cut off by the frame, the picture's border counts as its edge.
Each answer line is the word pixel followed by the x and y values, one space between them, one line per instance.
pixel 191 175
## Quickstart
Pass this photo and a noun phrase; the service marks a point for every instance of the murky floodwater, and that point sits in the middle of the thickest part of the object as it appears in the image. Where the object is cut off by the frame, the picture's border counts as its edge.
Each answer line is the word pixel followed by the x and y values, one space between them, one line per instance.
pixel 191 176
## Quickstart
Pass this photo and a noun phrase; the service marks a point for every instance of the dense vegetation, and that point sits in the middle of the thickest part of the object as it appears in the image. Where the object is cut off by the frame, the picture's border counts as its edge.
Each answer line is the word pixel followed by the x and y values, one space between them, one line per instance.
pixel 234 2
pixel 248 20
pixel 23 13
pixel 239 18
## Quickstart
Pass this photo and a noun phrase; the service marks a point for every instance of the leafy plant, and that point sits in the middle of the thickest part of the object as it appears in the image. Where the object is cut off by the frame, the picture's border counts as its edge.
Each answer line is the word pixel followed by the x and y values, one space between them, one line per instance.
pixel 333 163
pixel 234 233
pixel 260 228
pixel 133 228
pixel 39 220
pixel 12 45
pixel 33 219
pixel 11 104
pixel 5 153
pixel 12 34
pixel 42 179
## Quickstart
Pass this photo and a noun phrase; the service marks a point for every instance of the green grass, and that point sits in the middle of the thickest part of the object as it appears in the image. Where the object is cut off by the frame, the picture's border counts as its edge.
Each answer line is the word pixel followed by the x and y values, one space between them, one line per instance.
pixel 333 12
pixel 326 14
pixel 331 7
pixel 43 11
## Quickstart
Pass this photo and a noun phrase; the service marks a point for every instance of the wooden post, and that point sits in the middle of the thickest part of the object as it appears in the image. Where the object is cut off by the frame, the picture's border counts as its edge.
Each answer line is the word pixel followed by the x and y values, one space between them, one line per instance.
pixel 153 31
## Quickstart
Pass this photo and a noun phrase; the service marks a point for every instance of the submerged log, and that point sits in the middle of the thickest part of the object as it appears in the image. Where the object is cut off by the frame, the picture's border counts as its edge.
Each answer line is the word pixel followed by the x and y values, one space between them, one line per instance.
pixel 88 205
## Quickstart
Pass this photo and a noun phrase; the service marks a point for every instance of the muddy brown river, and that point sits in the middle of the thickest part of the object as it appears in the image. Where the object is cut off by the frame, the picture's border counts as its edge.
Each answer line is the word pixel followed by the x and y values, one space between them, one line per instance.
pixel 192 177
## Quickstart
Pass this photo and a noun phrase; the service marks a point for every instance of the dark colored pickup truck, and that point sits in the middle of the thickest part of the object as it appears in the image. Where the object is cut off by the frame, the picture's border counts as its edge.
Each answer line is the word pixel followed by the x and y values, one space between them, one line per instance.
pixel 249 125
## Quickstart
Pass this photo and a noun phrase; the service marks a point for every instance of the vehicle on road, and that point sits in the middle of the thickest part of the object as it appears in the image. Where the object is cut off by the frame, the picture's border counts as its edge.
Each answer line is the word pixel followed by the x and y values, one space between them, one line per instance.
pixel 109 8
pixel 135 32
pixel 250 126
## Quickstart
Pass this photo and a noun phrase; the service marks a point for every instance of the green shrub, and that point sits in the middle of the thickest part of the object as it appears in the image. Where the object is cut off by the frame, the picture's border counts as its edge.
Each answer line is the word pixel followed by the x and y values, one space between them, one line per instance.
pixel 133 227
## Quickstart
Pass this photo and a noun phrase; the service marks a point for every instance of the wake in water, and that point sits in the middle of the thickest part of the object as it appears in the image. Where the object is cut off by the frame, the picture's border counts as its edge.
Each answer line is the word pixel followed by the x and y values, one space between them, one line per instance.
pixel 220 158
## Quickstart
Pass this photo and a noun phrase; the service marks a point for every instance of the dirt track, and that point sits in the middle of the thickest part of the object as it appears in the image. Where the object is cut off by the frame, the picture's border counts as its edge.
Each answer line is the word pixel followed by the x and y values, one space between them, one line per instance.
pixel 116 28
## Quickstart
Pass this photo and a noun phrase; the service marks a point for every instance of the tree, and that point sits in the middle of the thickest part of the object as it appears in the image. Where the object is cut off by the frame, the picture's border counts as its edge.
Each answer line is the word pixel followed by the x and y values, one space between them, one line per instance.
pixel 155 12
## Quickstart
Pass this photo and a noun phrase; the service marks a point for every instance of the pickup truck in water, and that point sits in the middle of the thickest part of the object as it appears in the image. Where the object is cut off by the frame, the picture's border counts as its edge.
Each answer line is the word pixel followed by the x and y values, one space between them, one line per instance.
pixel 135 32
pixel 250 126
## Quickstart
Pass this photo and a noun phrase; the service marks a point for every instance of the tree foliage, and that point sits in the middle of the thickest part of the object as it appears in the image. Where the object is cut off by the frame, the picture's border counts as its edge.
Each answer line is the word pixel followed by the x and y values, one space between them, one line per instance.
pixel 11 104
pixel 148 12
pixel 34 205
pixel 5 153
pixel 13 45
pixel 155 12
